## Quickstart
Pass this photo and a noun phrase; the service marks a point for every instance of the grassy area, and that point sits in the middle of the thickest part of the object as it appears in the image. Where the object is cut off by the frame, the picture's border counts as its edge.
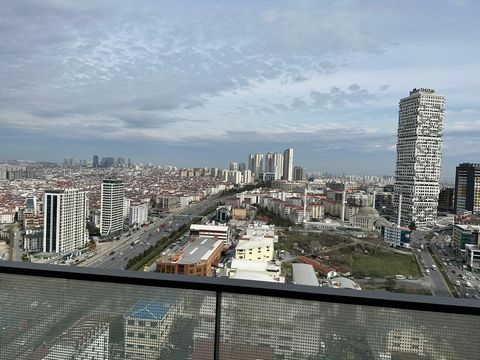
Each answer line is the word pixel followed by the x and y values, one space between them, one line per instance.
pixel 399 289
pixel 310 242
pixel 383 263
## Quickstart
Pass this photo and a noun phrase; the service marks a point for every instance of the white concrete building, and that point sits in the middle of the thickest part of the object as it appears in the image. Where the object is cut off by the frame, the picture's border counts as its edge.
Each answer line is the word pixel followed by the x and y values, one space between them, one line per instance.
pixel 112 204
pixel 219 232
pixel 259 229
pixel 396 236
pixel 255 164
pixel 258 248
pixel 64 220
pixel 472 256
pixel 138 214
pixel 419 145
pixel 288 165
pixel 147 328
pixel 126 207
pixel 247 176
pixel 255 270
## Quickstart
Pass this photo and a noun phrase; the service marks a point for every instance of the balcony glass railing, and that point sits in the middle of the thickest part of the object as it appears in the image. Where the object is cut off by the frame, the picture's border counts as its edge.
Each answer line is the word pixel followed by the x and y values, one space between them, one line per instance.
pixel 52 313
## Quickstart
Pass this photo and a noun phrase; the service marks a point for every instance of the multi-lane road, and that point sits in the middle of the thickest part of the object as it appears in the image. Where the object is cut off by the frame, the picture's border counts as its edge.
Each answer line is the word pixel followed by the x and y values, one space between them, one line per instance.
pixel 115 255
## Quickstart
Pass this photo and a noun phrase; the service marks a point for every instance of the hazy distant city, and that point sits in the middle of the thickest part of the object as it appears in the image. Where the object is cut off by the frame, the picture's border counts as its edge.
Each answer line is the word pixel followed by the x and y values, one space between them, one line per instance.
pixel 239 180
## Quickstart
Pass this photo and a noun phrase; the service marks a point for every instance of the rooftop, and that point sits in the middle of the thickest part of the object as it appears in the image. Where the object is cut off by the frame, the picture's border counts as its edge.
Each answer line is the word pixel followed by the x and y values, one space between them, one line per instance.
pixel 148 310
pixel 200 249
pixel 304 274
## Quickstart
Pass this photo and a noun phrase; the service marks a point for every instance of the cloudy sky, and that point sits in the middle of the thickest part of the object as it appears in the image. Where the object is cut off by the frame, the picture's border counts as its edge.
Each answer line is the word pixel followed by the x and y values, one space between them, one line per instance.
pixel 207 82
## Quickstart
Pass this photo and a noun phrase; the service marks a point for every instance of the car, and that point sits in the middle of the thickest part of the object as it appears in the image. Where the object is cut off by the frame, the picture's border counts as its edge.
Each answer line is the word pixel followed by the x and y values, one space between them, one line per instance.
pixel 457 283
pixel 121 253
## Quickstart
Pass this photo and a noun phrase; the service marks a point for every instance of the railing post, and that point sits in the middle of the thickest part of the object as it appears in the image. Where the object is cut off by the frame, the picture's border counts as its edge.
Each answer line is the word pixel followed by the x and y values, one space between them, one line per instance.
pixel 218 311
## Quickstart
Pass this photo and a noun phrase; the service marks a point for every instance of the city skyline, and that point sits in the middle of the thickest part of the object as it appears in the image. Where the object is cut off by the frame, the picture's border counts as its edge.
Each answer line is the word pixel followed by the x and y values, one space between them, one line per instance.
pixel 329 89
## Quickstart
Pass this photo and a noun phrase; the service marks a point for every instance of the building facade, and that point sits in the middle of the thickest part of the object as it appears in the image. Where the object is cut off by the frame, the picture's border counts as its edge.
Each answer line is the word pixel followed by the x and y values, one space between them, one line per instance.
pixel 138 214
pixel 288 165
pixel 463 235
pixel 64 220
pixel 467 188
pixel 446 199
pixel 147 327
pixel 419 145
pixel 112 205
pixel 298 173
pixel 397 236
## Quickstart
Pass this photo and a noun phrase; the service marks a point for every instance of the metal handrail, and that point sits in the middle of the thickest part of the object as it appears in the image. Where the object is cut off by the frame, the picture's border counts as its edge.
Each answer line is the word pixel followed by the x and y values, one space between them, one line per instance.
pixel 248 287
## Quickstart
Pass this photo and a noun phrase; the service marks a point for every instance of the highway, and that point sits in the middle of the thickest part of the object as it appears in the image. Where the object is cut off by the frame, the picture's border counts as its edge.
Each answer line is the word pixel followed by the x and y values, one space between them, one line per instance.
pixel 116 254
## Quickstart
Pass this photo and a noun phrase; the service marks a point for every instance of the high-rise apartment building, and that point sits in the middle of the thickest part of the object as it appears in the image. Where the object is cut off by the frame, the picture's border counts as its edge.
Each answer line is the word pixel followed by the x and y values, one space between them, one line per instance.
pixel 111 213
pixel 298 173
pixel 419 145
pixel 288 165
pixel 95 161
pixel 64 220
pixel 255 164
pixel 233 166
pixel 268 163
pixel 467 188
pixel 277 165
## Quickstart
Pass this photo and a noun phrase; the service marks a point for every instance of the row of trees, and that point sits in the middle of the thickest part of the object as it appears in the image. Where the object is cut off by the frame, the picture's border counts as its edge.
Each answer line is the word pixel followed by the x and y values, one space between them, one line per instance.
pixel 138 262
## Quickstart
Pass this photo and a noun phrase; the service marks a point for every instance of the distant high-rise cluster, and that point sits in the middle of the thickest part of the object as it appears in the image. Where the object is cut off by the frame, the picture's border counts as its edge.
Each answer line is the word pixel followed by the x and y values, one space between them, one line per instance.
pixel 420 125
pixel 272 166
pixel 104 162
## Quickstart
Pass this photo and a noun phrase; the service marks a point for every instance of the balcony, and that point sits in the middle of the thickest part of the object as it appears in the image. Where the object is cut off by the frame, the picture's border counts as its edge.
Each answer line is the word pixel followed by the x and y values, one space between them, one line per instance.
pixel 54 313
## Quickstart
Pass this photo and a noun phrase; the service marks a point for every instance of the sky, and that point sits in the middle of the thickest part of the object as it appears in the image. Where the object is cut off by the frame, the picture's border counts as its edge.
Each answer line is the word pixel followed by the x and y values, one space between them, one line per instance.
pixel 203 83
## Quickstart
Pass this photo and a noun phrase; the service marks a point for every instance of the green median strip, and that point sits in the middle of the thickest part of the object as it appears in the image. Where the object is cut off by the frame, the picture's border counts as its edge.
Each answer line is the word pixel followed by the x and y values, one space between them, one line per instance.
pixel 153 252
pixel 452 288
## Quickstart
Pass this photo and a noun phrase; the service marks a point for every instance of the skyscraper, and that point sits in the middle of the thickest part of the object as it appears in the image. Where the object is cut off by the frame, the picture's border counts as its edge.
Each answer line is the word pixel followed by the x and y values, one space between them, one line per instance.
pixel 95 161
pixel 111 213
pixel 419 145
pixel 467 188
pixel 255 164
pixel 288 165
pixel 278 165
pixel 64 220
pixel 233 166
pixel 269 164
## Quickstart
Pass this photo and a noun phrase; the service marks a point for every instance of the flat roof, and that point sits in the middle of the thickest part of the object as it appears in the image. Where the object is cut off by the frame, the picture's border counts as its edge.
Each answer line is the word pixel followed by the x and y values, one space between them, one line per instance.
pixel 209 227
pixel 252 265
pixel 254 243
pixel 304 274
pixel 200 249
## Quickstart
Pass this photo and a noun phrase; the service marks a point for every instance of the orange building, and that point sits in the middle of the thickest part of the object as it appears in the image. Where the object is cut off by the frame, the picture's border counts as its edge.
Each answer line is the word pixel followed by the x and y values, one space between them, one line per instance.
pixel 195 259
pixel 239 213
